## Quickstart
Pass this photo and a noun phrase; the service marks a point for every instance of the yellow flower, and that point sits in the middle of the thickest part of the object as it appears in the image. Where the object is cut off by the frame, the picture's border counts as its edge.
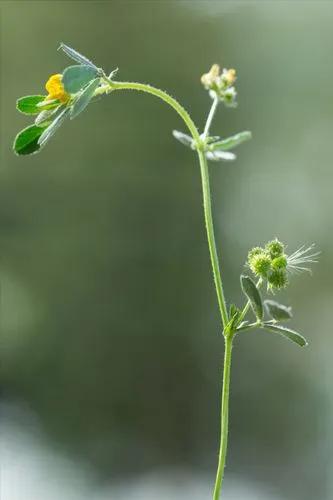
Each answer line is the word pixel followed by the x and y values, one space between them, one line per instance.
pixel 230 76
pixel 56 89
pixel 212 77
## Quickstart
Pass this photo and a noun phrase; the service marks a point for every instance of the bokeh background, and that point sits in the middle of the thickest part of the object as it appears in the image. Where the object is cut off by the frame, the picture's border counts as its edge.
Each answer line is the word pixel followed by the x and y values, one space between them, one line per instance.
pixel 111 352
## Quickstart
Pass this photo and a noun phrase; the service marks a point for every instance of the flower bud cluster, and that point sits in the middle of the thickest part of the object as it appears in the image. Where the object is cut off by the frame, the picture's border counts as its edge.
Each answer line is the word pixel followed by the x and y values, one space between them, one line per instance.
pixel 270 263
pixel 221 85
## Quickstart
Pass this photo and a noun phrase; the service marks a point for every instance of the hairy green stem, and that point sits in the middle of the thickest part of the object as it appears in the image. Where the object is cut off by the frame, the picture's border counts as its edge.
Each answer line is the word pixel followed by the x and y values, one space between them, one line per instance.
pixel 143 87
pixel 224 417
pixel 111 86
pixel 211 237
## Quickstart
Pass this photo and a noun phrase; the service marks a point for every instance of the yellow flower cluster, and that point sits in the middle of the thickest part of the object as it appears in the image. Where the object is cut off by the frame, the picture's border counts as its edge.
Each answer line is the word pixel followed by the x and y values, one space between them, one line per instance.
pixel 214 78
pixel 56 89
pixel 221 84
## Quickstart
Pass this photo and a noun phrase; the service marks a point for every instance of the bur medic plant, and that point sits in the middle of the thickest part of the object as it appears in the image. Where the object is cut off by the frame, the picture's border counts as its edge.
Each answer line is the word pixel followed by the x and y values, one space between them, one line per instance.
pixel 71 91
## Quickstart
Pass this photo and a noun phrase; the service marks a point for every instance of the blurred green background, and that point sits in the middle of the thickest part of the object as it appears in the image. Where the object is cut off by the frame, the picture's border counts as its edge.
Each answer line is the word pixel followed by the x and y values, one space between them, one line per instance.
pixel 109 324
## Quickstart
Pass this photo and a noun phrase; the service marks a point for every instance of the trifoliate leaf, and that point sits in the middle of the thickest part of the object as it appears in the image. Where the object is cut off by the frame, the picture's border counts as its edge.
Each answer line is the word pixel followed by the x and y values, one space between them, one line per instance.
pixel 26 141
pixel 231 142
pixel 51 129
pixel 76 56
pixel 183 138
pixel 220 156
pixel 252 293
pixel 28 104
pixel 75 78
pixel 287 333
pixel 278 311
pixel 83 99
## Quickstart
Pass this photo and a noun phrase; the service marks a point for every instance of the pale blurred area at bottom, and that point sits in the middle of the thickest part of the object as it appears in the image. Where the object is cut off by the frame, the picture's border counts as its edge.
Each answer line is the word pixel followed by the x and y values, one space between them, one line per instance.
pixel 32 470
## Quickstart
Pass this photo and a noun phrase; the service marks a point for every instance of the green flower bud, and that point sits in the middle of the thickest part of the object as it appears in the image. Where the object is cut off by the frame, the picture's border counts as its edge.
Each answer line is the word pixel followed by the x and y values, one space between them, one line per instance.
pixel 274 248
pixel 278 279
pixel 229 97
pixel 280 262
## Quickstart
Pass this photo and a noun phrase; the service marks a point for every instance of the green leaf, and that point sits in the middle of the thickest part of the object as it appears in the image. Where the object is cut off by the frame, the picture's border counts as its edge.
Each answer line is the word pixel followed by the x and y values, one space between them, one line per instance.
pixel 183 138
pixel 45 117
pixel 231 142
pixel 76 56
pixel 212 138
pixel 287 333
pixel 75 78
pixel 51 129
pixel 233 310
pixel 252 293
pixel 28 104
pixel 83 99
pixel 278 311
pixel 220 156
pixel 26 141
pixel 234 314
pixel 48 104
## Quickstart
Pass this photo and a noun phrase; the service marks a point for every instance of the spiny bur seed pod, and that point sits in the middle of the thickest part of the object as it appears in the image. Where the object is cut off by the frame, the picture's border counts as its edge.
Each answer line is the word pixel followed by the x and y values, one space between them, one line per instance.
pixel 277 279
pixel 260 264
pixel 280 262
pixel 253 252
pixel 272 264
pixel 274 248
